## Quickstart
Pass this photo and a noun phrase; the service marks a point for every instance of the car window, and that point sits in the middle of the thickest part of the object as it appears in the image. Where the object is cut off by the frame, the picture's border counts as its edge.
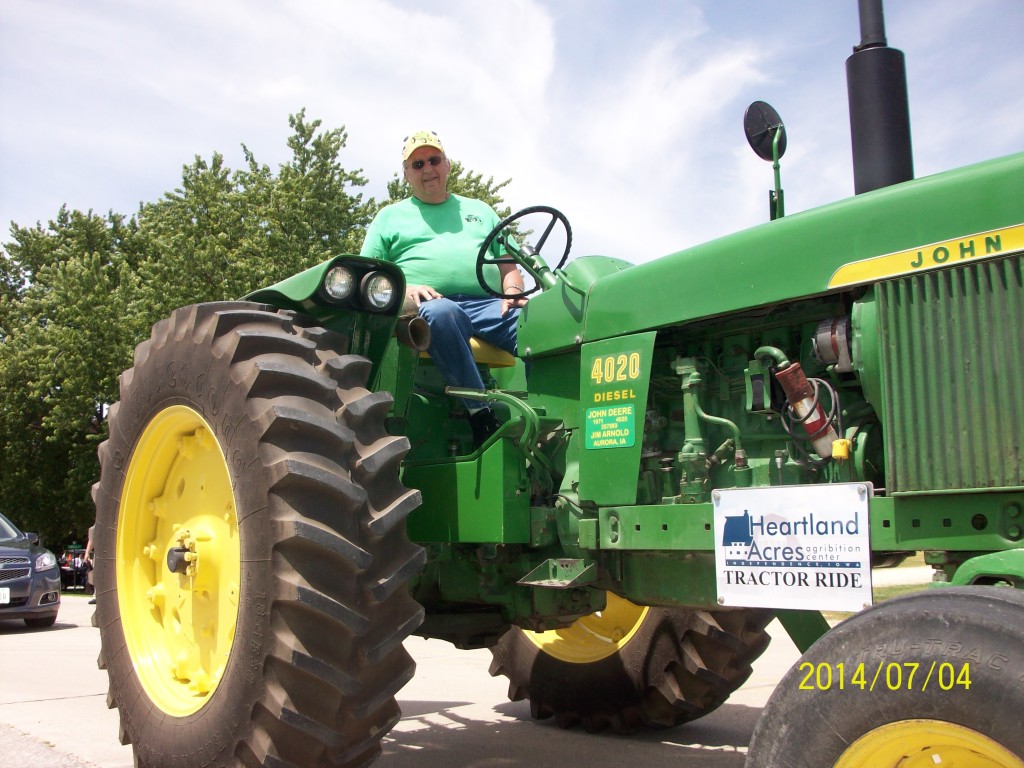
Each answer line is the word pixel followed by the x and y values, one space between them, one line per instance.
pixel 7 529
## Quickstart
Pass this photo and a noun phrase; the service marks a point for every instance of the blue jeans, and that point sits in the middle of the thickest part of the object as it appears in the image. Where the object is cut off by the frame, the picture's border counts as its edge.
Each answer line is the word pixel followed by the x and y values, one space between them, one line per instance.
pixel 453 320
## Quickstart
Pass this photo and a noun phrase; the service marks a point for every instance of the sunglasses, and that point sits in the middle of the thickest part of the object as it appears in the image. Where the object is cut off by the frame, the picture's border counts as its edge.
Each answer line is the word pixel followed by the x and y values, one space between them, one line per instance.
pixel 417 165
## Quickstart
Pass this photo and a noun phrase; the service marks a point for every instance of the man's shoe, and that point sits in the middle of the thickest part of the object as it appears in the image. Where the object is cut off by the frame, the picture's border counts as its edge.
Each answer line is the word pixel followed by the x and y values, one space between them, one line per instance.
pixel 484 424
pixel 93 601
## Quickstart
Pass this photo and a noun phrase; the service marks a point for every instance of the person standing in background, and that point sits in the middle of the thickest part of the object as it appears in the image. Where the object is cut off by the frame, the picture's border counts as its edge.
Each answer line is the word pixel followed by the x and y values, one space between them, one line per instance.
pixel 89 556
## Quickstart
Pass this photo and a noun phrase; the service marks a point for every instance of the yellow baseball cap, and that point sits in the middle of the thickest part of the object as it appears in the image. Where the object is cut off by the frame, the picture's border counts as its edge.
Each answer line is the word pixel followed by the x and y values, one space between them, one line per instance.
pixel 420 139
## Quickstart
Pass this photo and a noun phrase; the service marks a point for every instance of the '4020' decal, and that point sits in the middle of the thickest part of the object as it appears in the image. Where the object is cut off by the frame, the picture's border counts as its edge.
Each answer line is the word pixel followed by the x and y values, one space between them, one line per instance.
pixel 610 369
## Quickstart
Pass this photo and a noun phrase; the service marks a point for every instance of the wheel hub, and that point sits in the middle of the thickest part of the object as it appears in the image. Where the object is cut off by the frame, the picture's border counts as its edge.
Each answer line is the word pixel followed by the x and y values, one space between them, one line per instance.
pixel 178 560
pixel 593 637
pixel 926 744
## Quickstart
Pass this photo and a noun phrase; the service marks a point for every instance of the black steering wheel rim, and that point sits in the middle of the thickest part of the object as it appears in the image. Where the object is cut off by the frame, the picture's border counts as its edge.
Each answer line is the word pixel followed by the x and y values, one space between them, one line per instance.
pixel 484 257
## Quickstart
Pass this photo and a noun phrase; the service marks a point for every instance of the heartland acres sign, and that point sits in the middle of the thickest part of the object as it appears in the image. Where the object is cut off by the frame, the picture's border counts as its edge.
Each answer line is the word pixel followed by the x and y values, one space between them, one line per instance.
pixel 804 547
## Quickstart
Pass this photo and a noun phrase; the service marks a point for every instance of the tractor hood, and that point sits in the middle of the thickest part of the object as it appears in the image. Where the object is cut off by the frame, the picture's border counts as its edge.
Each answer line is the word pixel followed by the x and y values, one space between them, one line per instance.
pixel 914 226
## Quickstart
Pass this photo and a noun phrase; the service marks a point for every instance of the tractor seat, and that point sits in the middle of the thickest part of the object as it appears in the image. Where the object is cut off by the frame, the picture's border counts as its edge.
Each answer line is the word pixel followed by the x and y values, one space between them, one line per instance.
pixel 487 354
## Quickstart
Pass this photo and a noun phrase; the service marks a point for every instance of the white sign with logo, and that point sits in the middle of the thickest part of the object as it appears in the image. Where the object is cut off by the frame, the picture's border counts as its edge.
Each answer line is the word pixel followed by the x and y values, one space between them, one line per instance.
pixel 800 546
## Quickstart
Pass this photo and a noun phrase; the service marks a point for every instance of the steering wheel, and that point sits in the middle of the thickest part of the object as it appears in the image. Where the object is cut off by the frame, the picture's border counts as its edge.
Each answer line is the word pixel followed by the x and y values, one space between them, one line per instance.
pixel 526 256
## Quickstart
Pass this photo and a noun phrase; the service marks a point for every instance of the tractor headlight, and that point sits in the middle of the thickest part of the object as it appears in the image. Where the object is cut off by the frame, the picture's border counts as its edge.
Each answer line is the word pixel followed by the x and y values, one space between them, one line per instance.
pixel 339 282
pixel 378 291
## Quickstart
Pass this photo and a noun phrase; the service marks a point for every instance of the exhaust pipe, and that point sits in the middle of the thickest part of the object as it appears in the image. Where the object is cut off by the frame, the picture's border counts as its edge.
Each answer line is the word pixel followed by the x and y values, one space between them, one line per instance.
pixel 876 83
pixel 413 332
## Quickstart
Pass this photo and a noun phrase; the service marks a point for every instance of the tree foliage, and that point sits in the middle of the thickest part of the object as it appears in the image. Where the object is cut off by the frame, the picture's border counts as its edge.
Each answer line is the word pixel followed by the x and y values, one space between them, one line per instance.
pixel 66 328
pixel 77 295
pixel 223 233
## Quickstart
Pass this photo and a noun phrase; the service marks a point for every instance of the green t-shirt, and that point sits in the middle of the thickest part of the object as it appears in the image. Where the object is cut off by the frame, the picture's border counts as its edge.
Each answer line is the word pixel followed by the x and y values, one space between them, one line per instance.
pixel 434 244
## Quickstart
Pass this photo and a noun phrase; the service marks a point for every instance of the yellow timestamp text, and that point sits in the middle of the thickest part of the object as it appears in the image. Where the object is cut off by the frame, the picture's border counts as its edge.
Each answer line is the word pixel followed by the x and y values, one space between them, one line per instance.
pixel 885 676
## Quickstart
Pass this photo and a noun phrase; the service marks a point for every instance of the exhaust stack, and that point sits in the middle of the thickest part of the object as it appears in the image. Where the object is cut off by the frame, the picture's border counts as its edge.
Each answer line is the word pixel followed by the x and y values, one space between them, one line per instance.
pixel 876 81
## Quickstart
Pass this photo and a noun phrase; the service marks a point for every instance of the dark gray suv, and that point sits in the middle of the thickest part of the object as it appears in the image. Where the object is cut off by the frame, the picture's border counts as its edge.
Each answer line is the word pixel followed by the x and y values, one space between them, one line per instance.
pixel 29 578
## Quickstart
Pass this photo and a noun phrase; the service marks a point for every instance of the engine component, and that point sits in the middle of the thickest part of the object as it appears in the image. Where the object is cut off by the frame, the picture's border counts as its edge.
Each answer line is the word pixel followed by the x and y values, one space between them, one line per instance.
pixel 805 403
pixel 832 343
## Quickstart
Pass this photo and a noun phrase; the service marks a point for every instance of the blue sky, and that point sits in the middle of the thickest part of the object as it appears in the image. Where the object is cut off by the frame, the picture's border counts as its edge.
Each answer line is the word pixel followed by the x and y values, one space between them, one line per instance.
pixel 625 115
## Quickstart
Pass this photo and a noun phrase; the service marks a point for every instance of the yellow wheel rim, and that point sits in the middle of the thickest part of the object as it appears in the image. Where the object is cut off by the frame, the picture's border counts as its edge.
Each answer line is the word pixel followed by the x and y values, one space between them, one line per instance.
pixel 926 744
pixel 593 637
pixel 179 624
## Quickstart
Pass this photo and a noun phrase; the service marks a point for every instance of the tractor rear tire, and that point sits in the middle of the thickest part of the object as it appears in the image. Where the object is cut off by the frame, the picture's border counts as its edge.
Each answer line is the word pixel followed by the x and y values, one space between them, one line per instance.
pixel 630 667
pixel 252 562
pixel 928 678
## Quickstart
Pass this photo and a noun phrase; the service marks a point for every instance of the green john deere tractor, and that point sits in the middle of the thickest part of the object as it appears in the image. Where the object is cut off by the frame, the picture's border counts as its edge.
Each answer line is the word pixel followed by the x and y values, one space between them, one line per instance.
pixel 703 442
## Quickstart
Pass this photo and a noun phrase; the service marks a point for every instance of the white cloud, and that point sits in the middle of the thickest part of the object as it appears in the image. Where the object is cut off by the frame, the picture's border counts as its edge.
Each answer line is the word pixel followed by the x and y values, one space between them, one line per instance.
pixel 628 120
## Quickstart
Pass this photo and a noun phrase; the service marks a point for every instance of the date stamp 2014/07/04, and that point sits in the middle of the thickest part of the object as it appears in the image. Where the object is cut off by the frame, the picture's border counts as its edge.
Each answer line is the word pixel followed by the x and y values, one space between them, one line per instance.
pixel 885 676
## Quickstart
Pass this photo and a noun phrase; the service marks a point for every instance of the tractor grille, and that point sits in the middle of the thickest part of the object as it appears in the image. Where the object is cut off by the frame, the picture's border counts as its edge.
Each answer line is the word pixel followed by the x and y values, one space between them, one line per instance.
pixel 952 346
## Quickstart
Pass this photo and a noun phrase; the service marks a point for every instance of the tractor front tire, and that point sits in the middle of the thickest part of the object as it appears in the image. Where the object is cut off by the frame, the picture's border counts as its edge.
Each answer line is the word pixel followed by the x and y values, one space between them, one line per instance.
pixel 630 667
pixel 931 678
pixel 252 561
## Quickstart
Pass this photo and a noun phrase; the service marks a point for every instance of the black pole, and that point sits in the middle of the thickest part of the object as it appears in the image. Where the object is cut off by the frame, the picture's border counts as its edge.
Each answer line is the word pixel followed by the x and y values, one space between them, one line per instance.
pixel 872 23
pixel 876 78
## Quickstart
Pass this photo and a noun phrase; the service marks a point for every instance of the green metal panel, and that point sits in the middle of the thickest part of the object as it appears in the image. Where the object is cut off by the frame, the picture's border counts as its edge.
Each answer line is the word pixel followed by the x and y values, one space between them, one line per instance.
pixel 953 375
pixel 799 255
pixel 614 378
pixel 555 387
pixel 992 569
pixel 663 554
pixel 483 498
pixel 867 358
pixel 298 291
pixel 665 578
pixel 368 333
pixel 553 320
pixel 657 527
pixel 965 522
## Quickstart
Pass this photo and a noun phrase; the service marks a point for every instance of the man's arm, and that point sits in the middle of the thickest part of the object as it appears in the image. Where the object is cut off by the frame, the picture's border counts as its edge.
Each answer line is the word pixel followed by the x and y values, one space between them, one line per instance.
pixel 511 282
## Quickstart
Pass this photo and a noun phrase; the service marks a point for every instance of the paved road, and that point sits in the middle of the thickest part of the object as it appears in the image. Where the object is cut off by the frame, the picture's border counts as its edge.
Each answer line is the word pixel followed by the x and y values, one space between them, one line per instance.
pixel 53 710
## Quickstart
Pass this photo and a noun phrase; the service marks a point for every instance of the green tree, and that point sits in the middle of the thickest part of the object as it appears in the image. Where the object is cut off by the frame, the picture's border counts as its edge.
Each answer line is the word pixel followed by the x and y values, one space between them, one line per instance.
pixel 67 331
pixel 314 213
pixel 77 295
pixel 223 234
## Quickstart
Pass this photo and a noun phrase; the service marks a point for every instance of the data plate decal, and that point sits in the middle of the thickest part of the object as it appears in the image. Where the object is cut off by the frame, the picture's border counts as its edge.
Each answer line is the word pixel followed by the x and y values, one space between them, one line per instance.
pixel 612 426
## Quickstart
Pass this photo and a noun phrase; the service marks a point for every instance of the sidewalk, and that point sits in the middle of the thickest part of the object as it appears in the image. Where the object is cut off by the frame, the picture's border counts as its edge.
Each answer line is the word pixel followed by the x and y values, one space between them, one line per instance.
pixel 53 711
pixel 906 574
pixel 53 696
